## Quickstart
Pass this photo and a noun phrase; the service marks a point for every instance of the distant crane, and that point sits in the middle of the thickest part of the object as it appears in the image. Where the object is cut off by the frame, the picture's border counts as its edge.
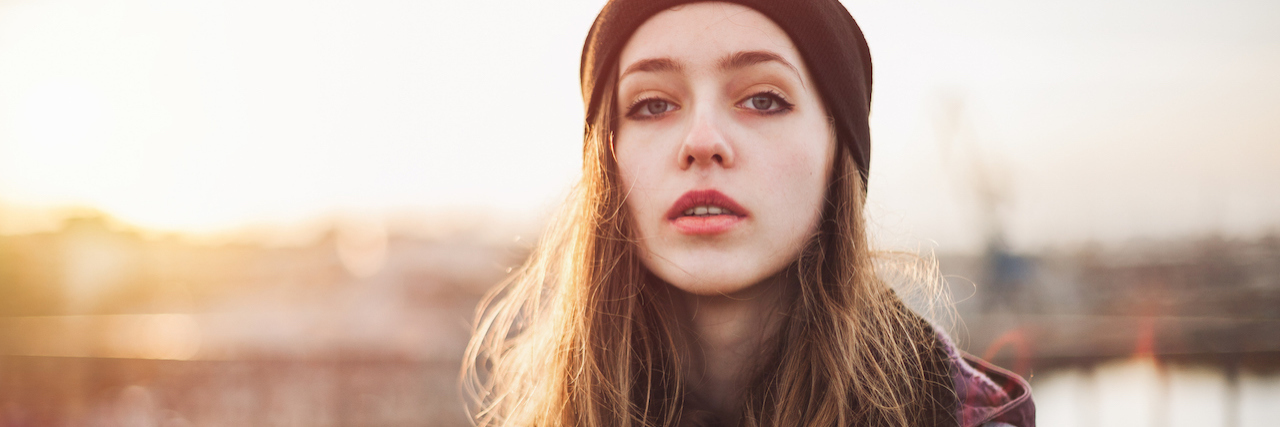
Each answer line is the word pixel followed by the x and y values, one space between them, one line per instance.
pixel 986 179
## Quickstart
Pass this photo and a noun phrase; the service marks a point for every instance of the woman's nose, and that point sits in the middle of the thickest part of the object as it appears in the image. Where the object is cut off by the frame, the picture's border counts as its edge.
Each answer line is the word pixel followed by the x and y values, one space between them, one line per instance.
pixel 705 144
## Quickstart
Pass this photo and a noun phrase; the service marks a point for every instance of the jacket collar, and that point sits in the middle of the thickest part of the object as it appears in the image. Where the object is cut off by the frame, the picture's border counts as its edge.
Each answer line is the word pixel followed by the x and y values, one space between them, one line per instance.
pixel 986 393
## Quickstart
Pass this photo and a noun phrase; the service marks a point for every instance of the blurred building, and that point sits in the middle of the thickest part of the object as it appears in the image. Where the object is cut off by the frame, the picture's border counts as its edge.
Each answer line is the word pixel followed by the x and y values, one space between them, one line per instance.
pixel 101 325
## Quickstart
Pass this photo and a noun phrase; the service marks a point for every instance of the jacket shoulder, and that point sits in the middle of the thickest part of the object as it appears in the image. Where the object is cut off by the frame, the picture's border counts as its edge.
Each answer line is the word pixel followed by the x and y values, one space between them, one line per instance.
pixel 988 396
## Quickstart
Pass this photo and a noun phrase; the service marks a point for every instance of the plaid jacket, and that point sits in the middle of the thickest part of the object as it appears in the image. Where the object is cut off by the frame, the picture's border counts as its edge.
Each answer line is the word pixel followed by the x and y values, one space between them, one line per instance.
pixel 989 396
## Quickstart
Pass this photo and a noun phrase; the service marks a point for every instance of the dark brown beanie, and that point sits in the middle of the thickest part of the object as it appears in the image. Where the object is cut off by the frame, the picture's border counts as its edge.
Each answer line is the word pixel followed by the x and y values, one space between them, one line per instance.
pixel 822 30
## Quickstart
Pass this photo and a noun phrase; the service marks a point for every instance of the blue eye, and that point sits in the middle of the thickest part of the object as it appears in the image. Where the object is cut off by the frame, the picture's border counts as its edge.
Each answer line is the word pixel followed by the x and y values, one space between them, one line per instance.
pixel 766 102
pixel 761 102
pixel 656 106
pixel 650 108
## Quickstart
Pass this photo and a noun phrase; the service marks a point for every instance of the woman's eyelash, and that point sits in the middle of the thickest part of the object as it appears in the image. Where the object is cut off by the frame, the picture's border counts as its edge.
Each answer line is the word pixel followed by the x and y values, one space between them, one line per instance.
pixel 633 110
pixel 783 104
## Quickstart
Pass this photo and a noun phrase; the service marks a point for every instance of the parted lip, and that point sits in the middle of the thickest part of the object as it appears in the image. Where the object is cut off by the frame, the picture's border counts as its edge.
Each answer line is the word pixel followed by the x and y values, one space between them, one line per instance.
pixel 697 198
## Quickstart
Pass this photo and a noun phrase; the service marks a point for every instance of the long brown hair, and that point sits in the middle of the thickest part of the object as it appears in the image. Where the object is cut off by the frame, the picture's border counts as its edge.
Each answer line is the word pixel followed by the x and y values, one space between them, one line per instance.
pixel 579 336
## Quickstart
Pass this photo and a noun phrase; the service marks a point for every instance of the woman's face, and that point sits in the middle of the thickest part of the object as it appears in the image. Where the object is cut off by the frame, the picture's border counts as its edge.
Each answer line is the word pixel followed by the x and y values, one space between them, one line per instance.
pixel 723 145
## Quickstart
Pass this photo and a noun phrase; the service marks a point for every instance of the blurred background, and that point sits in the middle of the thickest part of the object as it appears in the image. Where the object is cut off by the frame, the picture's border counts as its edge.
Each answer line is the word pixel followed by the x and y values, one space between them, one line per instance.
pixel 282 212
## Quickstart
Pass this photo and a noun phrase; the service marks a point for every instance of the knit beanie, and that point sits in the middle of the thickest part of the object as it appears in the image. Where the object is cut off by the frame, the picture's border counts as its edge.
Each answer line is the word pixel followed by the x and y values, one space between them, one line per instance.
pixel 828 39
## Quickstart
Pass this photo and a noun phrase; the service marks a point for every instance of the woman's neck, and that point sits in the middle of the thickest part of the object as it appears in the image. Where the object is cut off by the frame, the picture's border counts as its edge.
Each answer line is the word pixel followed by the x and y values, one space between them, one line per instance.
pixel 726 333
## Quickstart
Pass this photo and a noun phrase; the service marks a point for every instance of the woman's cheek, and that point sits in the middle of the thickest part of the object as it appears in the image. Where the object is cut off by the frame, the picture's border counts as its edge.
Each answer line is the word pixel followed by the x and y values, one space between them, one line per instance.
pixel 640 182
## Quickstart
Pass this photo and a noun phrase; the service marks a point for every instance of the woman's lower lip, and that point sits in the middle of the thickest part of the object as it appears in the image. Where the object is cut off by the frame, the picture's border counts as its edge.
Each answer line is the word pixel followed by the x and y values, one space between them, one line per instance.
pixel 710 224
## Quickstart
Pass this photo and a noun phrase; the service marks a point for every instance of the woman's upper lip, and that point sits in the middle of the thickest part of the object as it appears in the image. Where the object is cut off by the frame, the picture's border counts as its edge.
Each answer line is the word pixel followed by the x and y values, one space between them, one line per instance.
pixel 695 198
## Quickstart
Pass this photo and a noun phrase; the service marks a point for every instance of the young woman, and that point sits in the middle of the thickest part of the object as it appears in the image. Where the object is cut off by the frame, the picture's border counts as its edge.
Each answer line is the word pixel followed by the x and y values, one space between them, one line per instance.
pixel 712 267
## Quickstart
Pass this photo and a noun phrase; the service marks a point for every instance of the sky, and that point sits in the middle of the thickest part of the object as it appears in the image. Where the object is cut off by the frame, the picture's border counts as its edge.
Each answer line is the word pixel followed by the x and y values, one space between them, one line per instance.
pixel 1084 121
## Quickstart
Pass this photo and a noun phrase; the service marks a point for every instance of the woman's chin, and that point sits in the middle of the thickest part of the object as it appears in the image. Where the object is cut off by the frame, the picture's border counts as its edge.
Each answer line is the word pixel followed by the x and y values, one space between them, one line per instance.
pixel 709 281
pixel 709 288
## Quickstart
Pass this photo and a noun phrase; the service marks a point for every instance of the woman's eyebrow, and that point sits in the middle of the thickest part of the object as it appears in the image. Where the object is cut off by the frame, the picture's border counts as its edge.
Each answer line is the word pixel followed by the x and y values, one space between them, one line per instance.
pixel 652 65
pixel 752 57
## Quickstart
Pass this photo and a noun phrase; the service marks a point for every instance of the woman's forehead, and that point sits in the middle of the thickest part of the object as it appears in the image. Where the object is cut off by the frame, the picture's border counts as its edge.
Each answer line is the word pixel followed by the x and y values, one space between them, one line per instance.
pixel 703 34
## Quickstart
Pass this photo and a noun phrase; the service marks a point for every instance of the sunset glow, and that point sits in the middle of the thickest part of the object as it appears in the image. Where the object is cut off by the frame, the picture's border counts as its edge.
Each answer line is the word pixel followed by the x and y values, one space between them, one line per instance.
pixel 207 116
